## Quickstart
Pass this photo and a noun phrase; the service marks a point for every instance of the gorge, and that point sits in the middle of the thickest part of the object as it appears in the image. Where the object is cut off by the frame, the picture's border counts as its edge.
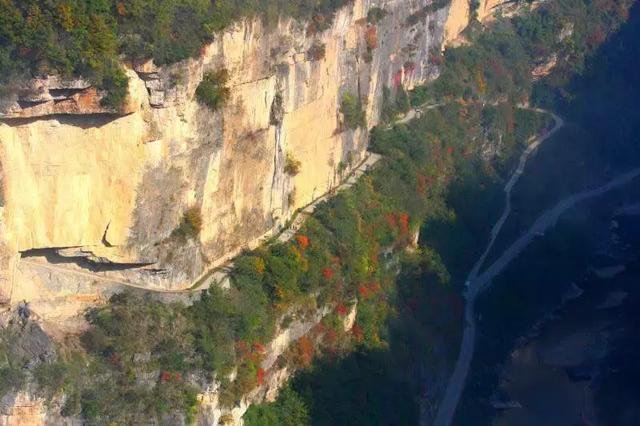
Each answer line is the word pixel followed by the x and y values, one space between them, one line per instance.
pixel 177 257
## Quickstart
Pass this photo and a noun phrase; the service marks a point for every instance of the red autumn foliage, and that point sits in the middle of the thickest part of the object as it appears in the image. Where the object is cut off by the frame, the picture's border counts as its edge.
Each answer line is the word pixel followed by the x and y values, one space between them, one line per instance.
pixel 397 79
pixel 305 348
pixel 363 291
pixel 121 9
pixel 371 37
pixel 260 376
pixel 259 348
pixel 303 241
pixel 327 273
pixel 449 150
pixel 330 338
pixel 341 309
pixel 357 332
pixel 374 287
pixel 165 376
pixel 177 377
pixel 404 222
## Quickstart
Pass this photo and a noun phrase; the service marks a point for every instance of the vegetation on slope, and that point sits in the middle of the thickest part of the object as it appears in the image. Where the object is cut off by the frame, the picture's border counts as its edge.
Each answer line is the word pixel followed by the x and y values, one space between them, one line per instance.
pixel 600 105
pixel 145 359
pixel 80 37
pixel 374 387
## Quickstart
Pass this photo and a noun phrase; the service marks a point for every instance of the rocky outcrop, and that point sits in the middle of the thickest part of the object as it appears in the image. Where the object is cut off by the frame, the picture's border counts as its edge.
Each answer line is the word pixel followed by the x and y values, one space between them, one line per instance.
pixel 106 192
pixel 457 21
pixel 52 95
pixel 211 412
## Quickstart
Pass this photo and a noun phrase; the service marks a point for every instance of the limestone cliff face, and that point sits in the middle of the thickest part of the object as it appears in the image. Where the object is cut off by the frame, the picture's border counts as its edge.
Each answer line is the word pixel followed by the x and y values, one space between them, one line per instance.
pixel 457 21
pixel 101 192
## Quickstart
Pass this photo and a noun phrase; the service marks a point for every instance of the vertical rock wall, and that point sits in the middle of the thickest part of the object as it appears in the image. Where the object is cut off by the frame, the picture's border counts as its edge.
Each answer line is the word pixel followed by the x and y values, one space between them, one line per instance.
pixel 97 193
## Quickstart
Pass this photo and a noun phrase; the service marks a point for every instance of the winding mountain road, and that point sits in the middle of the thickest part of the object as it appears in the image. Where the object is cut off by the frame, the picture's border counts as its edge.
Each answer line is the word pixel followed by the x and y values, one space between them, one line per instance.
pixel 217 273
pixel 476 284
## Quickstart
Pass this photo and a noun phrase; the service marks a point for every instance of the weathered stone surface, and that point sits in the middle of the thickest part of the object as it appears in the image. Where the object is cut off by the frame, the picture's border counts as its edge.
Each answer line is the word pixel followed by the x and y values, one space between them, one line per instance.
pixel 457 21
pixel 52 95
pixel 114 188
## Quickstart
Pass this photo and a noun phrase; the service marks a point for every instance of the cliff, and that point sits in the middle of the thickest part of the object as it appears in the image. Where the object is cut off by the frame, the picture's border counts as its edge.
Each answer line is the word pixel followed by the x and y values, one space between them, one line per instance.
pixel 94 196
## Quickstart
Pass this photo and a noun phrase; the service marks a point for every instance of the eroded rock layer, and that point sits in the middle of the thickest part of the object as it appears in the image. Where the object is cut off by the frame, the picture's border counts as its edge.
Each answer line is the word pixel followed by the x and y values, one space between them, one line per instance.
pixel 93 196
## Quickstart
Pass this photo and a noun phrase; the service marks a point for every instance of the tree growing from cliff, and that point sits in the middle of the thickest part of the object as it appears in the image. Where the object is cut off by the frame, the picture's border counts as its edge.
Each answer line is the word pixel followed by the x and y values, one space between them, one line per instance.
pixel 190 225
pixel 352 111
pixel 292 166
pixel 212 90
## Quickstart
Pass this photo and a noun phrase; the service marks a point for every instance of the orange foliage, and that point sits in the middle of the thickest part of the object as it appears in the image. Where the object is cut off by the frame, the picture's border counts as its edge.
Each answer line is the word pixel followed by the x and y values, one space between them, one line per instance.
pixel 327 273
pixel 260 265
pixel 361 22
pixel 357 332
pixel 165 376
pixel 305 349
pixel 66 16
pixel 371 37
pixel 404 222
pixel 121 9
pixel 363 291
pixel 259 348
pixel 260 376
pixel 303 241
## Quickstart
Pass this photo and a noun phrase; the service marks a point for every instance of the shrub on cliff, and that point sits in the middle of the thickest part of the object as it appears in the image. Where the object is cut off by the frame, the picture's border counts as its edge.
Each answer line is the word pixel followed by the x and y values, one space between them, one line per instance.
pixel 80 37
pixel 376 14
pixel 292 165
pixel 352 111
pixel 190 225
pixel 212 90
pixel 317 51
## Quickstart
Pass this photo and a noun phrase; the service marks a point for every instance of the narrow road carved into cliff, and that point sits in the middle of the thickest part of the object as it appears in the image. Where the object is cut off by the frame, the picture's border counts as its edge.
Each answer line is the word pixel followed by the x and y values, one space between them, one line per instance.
pixel 219 272
pixel 476 283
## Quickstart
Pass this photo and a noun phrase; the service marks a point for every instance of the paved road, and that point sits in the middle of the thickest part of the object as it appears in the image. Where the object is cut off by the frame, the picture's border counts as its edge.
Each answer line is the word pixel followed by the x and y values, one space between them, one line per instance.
pixel 478 283
pixel 414 112
pixel 449 403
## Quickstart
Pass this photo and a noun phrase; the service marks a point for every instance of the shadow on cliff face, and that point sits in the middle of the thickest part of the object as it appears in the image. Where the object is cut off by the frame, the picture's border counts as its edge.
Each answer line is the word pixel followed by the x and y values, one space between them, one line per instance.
pixel 53 257
pixel 83 121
